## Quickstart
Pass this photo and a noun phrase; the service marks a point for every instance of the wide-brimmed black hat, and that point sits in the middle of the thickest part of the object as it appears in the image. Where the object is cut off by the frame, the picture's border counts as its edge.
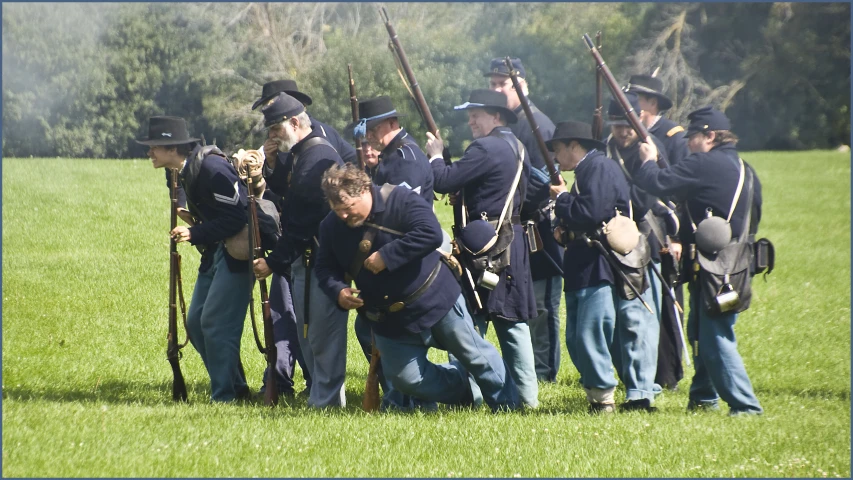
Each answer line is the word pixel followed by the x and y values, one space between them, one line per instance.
pixel 280 108
pixel 578 131
pixel 489 99
pixel 164 130
pixel 707 119
pixel 649 85
pixel 498 67
pixel 271 89
pixel 370 112
pixel 616 114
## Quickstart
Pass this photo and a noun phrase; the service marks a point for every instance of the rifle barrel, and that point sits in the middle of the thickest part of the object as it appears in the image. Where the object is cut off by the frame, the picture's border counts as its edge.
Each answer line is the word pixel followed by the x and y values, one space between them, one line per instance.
pixel 410 75
pixel 619 95
pixel 540 142
pixel 353 100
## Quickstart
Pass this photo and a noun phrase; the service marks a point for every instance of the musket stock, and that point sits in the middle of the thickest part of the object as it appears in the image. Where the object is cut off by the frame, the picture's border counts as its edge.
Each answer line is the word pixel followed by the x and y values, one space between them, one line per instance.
pixel 540 142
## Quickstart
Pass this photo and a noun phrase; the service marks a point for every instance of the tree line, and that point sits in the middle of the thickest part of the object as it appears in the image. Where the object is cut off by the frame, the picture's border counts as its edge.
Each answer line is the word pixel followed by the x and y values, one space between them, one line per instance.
pixel 81 80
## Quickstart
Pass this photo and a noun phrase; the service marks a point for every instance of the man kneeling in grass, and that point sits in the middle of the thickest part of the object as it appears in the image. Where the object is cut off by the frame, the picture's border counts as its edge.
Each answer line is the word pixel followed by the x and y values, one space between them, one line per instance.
pixel 385 239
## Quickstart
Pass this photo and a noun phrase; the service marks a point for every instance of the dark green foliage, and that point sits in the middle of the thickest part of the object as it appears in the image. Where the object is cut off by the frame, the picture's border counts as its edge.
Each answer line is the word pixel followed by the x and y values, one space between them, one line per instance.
pixel 80 80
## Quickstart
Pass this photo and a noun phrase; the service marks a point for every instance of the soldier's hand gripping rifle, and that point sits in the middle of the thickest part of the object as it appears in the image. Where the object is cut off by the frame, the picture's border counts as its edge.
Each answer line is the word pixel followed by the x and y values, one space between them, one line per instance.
pixel 269 350
pixel 353 100
pixel 597 121
pixel 173 348
pixel 540 142
pixel 411 83
pixel 620 97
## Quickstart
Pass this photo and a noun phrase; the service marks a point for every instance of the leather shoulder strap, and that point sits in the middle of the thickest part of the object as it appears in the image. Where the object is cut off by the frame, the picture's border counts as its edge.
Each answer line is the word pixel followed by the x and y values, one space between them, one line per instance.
pixel 310 143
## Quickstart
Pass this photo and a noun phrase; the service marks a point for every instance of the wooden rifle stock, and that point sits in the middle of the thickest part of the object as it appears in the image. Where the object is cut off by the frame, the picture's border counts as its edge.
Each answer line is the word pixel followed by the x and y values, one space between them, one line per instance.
pixel 620 97
pixel 173 349
pixel 271 390
pixel 597 121
pixel 540 142
pixel 372 400
pixel 353 100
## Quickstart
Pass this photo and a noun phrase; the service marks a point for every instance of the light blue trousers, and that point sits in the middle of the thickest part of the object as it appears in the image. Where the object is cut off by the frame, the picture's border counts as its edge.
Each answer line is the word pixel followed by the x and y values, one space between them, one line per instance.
pixel 635 343
pixel 517 351
pixel 590 326
pixel 545 329
pixel 719 366
pixel 405 362
pixel 215 325
pixel 325 349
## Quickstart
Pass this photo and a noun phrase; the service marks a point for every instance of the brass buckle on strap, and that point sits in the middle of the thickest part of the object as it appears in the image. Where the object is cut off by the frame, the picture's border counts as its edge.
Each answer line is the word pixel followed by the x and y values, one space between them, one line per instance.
pixel 396 307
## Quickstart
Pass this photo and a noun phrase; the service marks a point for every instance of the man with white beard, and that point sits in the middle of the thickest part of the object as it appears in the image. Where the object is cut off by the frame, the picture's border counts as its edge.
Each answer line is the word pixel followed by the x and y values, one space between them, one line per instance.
pixel 295 173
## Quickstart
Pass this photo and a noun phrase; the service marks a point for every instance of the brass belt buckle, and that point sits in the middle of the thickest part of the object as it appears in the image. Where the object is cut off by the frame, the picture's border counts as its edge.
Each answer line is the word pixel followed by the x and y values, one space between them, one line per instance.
pixel 396 307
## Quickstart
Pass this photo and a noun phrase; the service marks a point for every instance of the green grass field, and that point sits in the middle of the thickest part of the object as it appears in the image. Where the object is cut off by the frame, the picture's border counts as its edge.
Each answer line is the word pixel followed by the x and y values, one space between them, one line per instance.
pixel 86 385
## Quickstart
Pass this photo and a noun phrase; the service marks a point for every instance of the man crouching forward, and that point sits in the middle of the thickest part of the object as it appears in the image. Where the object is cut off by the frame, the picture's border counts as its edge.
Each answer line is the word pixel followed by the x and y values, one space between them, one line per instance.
pixel 385 238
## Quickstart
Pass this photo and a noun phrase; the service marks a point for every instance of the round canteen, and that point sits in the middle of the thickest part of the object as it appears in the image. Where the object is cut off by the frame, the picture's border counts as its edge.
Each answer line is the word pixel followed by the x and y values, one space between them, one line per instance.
pixel 622 234
pixel 713 234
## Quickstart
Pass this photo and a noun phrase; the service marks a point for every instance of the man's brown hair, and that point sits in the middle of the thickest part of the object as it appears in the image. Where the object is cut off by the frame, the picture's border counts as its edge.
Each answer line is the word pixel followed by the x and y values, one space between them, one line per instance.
pixel 724 136
pixel 344 179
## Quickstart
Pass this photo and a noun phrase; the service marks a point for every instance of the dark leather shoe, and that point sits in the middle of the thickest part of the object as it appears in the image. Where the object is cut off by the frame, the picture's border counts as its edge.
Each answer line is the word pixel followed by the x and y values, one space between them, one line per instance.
pixel 644 405
pixel 601 408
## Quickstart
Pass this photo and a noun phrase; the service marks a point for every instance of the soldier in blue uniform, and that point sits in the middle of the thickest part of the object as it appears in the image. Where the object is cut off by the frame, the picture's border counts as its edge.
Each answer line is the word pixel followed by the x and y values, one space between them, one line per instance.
pixel 640 366
pixel 296 177
pixel 386 239
pixel 217 203
pixel 592 302
pixel 492 174
pixel 653 103
pixel 545 264
pixel 709 178
pixel 271 89
pixel 400 162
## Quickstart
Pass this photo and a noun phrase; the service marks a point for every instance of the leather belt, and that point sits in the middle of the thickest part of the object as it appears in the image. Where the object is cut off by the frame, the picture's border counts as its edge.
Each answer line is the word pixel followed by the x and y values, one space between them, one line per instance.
pixel 377 314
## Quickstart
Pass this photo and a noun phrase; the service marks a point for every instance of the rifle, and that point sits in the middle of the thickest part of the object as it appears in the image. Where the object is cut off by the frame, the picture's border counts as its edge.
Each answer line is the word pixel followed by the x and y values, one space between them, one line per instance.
pixel 173 349
pixel 353 100
pixel 540 142
pixel 411 84
pixel 269 351
pixel 597 122
pixel 371 401
pixel 409 81
pixel 620 97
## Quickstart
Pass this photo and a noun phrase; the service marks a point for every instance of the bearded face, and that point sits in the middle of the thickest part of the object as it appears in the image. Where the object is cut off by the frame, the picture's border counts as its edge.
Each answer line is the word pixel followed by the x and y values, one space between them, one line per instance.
pixel 284 135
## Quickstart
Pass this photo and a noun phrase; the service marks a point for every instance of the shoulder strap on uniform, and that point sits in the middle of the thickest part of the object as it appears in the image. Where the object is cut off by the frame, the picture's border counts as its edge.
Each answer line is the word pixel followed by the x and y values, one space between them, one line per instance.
pixel 745 232
pixel 310 143
pixel 672 131
pixel 191 171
